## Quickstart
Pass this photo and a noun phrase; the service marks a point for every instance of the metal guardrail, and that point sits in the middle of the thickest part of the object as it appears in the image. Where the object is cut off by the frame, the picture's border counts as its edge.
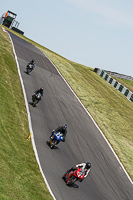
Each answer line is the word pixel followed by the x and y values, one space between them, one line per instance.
pixel 127 93
pixel 121 76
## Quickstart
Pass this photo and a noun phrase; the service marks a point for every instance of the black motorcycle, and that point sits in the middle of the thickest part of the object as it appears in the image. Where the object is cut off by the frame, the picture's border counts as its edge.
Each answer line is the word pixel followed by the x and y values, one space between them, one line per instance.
pixel 35 99
pixel 29 68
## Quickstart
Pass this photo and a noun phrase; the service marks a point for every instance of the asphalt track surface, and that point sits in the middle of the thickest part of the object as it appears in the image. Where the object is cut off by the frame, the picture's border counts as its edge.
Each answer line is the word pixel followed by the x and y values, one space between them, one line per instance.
pixel 84 142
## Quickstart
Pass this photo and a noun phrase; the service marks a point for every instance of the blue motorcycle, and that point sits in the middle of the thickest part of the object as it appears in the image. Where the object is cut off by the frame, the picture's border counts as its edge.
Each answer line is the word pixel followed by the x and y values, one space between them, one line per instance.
pixel 55 139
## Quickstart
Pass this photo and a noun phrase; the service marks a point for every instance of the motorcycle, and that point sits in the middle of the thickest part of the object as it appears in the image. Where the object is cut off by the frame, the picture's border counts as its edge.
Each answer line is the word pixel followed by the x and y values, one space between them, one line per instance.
pixel 55 139
pixel 29 68
pixel 71 176
pixel 35 99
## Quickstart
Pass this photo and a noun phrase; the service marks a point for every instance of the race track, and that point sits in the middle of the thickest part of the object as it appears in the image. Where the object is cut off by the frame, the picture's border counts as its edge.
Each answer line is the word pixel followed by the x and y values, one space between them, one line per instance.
pixel 84 142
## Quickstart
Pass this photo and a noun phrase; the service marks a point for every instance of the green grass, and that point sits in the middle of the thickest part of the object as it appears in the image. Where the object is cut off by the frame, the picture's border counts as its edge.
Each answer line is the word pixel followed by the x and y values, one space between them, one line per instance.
pixel 20 177
pixel 110 109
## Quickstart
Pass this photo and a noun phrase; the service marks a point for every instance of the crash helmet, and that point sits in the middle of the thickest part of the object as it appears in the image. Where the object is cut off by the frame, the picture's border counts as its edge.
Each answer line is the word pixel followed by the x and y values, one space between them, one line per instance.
pixel 88 165
pixel 41 89
pixel 32 60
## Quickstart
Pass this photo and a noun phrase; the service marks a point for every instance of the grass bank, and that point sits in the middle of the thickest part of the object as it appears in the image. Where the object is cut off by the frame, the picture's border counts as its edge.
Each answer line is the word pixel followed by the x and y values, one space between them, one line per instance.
pixel 20 177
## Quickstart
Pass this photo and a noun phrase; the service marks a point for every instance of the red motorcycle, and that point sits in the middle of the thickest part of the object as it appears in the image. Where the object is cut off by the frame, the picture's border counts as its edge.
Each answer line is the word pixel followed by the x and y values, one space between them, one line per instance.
pixel 71 176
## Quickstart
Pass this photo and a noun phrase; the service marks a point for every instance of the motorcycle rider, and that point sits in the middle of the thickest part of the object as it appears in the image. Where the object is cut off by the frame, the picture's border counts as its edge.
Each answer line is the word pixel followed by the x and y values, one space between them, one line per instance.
pixel 37 92
pixel 32 63
pixel 61 129
pixel 84 166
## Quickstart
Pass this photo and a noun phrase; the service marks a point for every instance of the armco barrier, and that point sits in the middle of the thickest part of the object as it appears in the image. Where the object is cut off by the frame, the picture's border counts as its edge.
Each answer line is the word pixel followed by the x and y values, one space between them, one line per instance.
pixel 115 84
pixel 118 75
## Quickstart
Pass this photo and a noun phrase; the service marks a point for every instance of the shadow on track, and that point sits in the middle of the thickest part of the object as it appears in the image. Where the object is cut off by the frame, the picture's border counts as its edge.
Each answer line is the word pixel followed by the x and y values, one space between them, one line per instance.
pixel 55 147
pixel 26 73
pixel 72 185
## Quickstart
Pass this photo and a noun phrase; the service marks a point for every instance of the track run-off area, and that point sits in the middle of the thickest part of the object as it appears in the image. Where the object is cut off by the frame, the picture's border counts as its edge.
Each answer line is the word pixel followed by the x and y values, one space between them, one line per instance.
pixel 107 179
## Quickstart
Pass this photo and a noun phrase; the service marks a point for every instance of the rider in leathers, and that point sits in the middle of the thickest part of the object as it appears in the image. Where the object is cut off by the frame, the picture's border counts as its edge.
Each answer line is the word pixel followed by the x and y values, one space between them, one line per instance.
pixel 85 166
pixel 39 91
pixel 36 92
pixel 32 62
pixel 61 129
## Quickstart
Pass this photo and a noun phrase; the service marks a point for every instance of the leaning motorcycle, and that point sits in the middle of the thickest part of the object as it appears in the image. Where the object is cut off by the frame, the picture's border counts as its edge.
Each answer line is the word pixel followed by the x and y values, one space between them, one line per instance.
pixel 35 99
pixel 55 139
pixel 71 176
pixel 29 68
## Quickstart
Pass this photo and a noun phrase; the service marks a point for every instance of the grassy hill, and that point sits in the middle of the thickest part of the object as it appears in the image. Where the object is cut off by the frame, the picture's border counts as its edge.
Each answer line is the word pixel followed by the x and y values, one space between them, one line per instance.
pixel 20 175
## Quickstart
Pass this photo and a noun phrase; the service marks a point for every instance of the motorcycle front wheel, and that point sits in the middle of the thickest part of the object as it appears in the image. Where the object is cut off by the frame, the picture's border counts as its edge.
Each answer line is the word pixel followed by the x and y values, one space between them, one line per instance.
pixel 71 180
pixel 33 101
pixel 53 143
pixel 27 70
